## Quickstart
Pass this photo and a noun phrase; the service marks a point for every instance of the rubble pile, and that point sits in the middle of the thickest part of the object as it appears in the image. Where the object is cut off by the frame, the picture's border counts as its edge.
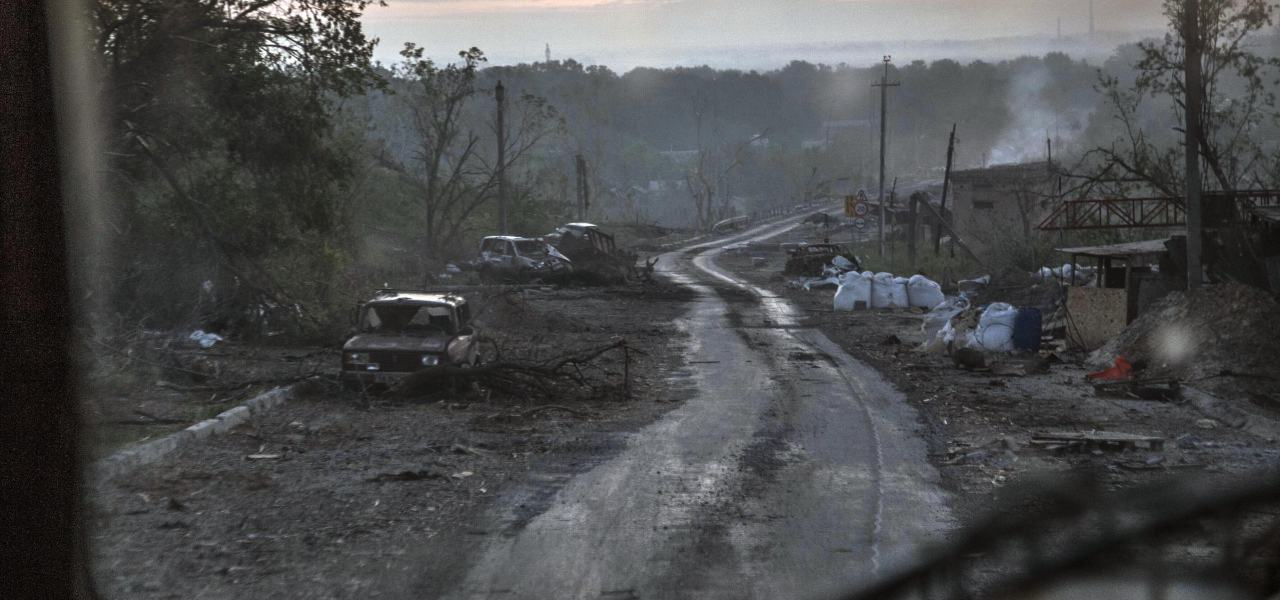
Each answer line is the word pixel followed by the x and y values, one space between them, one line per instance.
pixel 1223 337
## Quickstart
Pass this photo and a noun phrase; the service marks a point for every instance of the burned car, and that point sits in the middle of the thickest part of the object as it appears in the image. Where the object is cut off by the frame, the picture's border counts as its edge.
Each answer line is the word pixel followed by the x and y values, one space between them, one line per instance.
pixel 399 332
pixel 809 260
pixel 510 258
pixel 593 251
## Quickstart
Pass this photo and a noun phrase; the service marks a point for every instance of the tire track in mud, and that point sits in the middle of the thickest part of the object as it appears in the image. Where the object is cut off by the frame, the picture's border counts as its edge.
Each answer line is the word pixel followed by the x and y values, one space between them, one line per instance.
pixel 735 293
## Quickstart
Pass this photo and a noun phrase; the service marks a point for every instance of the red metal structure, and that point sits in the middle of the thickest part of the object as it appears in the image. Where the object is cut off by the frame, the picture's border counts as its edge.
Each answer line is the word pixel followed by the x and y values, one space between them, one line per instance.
pixel 1125 213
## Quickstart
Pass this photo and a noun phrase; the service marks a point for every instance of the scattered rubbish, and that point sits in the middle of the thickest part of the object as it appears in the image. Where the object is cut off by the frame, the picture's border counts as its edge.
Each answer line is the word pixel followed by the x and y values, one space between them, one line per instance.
pixel 263 456
pixel 1095 441
pixel 970 359
pixel 758 262
pixel 462 475
pixel 408 476
pixel 204 339
pixel 1121 371
pixel 1019 367
pixel 1206 424
pixel 1222 336
pixel 1141 389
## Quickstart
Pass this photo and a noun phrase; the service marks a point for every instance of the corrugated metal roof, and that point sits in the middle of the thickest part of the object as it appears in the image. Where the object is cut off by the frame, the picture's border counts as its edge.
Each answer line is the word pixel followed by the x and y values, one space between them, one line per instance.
pixel 1125 249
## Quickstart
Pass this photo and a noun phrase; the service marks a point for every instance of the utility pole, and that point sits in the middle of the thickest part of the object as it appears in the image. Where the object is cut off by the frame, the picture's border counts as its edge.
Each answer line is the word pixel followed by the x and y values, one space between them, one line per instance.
pixel 500 94
pixel 946 186
pixel 584 192
pixel 884 86
pixel 1194 47
pixel 913 227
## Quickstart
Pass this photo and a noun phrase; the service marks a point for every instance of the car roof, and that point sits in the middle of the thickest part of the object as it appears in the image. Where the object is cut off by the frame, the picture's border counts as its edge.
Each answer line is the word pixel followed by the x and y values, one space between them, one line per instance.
pixel 510 238
pixel 581 225
pixel 415 297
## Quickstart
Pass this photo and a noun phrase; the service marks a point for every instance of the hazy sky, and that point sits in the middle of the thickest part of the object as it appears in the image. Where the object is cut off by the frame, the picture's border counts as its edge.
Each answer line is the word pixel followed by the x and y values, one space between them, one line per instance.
pixel 742 33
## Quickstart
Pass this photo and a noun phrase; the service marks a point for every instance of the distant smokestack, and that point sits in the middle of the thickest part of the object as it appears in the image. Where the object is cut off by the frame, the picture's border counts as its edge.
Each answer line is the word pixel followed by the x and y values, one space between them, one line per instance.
pixel 1059 27
pixel 548 53
pixel 1090 18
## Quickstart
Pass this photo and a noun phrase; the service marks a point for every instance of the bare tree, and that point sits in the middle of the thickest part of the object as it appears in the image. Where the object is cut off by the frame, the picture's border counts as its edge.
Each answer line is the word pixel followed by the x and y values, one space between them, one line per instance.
pixel 450 165
pixel 711 168
pixel 1239 103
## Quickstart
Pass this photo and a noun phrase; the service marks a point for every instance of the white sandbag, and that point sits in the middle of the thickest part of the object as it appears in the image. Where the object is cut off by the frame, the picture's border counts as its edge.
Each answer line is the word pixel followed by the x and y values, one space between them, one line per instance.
pixel 842 263
pixel 995 329
pixel 854 288
pixel 899 298
pixel 882 290
pixel 923 292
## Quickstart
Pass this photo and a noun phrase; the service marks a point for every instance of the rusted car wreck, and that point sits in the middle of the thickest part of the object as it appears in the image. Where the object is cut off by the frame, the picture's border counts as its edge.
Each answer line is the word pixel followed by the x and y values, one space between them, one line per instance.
pixel 400 332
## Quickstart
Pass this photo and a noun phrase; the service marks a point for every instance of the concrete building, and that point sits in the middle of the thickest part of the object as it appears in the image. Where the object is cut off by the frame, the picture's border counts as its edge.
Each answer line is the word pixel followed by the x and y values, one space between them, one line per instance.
pixel 998 208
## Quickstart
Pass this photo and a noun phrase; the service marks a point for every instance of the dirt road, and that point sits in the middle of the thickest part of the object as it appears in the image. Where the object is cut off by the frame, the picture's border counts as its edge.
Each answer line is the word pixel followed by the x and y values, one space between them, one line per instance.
pixel 793 471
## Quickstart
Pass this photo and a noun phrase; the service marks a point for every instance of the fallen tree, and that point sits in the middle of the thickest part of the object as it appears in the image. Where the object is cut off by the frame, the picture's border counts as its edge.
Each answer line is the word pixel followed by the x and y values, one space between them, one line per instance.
pixel 543 379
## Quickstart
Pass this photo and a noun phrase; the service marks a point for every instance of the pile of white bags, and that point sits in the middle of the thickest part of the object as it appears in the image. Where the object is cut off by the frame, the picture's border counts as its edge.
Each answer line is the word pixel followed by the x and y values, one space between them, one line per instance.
pixel 854 287
pixel 883 290
pixel 995 329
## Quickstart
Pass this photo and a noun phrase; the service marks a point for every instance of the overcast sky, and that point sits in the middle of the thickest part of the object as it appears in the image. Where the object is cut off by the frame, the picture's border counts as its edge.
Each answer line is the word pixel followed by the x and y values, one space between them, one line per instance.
pixel 740 33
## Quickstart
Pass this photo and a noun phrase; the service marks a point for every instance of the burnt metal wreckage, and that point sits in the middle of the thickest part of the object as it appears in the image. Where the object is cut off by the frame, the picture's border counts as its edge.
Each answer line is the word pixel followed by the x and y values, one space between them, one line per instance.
pixel 398 332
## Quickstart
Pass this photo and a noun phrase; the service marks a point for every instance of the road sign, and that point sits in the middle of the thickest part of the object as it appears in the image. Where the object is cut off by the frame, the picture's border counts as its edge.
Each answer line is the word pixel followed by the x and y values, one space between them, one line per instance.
pixel 861 209
pixel 860 223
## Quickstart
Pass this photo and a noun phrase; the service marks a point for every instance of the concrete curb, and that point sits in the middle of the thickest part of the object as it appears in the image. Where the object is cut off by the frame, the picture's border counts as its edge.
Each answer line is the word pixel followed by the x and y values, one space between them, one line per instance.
pixel 150 452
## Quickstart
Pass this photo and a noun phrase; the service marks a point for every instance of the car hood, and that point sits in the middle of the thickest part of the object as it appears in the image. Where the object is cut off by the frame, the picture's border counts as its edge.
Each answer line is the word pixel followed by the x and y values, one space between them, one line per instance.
pixel 408 343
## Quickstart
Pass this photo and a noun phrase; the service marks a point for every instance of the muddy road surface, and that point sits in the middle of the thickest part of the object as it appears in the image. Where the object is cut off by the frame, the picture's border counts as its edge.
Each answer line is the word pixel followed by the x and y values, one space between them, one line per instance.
pixel 752 458
pixel 793 471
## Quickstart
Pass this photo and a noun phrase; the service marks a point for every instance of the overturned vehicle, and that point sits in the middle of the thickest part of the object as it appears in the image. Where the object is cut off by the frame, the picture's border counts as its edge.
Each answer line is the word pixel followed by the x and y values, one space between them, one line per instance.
pixel 399 332
pixel 505 258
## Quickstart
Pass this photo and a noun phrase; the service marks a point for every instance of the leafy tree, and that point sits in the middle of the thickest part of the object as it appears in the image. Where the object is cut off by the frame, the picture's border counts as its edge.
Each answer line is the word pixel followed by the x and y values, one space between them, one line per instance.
pixel 223 154
pixel 1239 105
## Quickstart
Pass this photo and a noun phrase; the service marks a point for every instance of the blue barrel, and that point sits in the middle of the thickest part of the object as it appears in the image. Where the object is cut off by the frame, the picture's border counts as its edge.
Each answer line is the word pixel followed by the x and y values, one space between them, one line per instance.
pixel 1026 330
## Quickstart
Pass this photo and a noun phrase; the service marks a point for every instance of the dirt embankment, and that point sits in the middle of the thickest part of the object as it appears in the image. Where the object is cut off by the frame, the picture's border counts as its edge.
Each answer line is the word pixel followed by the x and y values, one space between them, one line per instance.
pixel 980 425
pixel 338 495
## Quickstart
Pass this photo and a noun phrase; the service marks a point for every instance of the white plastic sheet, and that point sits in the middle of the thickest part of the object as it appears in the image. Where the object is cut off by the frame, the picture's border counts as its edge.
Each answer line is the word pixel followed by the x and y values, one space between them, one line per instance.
pixel 204 340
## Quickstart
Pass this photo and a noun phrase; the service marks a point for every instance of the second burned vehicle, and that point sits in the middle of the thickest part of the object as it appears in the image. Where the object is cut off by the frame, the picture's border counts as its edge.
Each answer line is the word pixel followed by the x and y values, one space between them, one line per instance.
pixel 593 252
pixel 519 259
pixel 399 332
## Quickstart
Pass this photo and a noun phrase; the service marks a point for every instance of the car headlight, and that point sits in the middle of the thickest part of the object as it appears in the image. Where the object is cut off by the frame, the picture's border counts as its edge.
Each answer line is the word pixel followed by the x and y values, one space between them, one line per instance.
pixel 430 360
pixel 358 358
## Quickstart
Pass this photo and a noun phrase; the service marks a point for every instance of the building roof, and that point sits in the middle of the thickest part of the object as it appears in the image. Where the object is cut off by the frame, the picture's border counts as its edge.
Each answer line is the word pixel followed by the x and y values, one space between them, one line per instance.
pixel 388 296
pixel 1142 248
pixel 1011 171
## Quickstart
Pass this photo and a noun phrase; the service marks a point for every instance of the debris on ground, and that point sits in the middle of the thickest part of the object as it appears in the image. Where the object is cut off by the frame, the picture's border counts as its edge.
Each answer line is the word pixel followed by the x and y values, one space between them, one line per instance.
pixel 1120 371
pixel 1095 440
pixel 1221 336
pixel 204 339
